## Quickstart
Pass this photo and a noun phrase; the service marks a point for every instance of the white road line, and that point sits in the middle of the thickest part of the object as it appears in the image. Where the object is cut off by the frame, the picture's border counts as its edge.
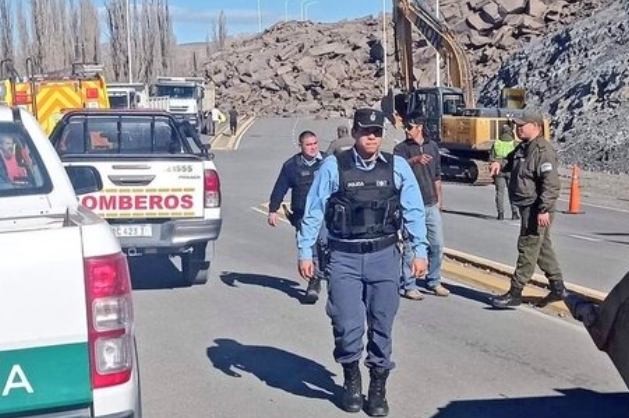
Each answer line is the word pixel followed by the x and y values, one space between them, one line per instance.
pixel 242 133
pixel 294 133
pixel 584 238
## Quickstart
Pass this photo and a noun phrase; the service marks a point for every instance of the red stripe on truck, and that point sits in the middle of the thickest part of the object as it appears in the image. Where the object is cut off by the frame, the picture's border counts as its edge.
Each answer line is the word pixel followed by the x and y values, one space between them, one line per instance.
pixel 138 202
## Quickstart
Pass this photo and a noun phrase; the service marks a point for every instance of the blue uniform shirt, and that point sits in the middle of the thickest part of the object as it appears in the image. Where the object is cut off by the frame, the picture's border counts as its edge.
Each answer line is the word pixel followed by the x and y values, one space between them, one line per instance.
pixel 327 182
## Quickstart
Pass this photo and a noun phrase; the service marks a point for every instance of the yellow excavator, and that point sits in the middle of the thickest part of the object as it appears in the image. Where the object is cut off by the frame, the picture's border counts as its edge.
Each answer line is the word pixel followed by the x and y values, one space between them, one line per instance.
pixel 465 132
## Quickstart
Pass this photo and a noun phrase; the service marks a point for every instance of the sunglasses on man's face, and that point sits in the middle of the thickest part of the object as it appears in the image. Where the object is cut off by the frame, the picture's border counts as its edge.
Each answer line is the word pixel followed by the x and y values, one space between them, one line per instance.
pixel 410 126
pixel 371 131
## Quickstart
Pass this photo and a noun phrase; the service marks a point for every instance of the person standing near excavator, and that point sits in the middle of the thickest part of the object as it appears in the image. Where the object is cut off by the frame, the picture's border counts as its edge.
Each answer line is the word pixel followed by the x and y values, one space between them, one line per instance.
pixel 534 188
pixel 499 151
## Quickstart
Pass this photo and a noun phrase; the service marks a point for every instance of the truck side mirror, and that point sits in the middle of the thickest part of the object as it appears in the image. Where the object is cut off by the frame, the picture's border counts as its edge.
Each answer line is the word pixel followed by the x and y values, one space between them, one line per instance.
pixel 84 179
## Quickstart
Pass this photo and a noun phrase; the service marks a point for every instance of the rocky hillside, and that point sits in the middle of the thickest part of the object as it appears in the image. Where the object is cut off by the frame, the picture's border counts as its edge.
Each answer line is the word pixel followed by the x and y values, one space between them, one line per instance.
pixel 579 75
pixel 306 68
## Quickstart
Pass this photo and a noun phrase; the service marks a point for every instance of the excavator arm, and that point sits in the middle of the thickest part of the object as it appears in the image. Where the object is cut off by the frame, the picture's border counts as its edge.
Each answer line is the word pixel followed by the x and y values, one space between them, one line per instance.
pixel 412 13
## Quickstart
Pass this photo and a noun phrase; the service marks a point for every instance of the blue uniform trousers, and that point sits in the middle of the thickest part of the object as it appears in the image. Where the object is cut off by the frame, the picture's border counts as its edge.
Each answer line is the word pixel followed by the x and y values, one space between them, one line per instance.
pixel 364 289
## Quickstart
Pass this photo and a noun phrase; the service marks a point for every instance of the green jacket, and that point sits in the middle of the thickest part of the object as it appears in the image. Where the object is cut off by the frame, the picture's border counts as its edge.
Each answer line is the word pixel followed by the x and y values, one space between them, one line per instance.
pixel 534 175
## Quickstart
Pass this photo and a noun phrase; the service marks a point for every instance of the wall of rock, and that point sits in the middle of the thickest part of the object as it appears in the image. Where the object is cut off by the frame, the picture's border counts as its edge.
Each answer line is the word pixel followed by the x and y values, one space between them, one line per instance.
pixel 303 68
pixel 580 77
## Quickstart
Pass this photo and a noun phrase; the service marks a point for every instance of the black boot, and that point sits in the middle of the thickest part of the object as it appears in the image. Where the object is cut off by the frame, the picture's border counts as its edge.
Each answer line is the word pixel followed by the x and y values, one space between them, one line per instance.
pixel 501 216
pixel 557 292
pixel 352 400
pixel 512 298
pixel 377 405
pixel 515 216
pixel 312 291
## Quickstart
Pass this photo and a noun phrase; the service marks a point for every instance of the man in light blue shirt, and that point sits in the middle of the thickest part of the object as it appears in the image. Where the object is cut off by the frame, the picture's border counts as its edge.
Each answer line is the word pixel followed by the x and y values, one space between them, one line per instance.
pixel 364 196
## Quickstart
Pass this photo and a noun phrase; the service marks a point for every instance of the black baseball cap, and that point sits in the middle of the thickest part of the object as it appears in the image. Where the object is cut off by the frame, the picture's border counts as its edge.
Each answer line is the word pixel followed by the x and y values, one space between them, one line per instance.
pixel 368 118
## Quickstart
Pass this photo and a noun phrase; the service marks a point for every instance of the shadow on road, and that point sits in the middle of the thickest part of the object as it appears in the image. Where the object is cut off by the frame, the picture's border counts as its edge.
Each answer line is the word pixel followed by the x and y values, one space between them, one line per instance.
pixel 289 287
pixel 151 272
pixel 485 297
pixel 573 403
pixel 469 293
pixel 277 368
pixel 468 214
pixel 614 234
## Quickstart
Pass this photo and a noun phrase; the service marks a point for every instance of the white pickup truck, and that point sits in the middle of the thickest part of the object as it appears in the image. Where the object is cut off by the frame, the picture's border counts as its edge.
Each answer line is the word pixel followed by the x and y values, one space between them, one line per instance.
pixel 67 336
pixel 161 191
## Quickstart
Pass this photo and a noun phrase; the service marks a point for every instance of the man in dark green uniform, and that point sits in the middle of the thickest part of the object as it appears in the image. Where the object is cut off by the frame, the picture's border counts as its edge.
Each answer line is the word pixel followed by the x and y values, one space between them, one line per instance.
pixel 534 188
pixel 499 151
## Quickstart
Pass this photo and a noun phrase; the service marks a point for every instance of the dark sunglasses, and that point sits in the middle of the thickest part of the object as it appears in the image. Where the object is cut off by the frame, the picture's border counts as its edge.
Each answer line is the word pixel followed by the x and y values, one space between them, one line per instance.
pixel 410 126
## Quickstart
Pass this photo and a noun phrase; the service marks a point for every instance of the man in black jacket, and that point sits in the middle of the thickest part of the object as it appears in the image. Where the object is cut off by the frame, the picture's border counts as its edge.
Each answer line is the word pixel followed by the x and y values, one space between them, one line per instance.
pixel 297 174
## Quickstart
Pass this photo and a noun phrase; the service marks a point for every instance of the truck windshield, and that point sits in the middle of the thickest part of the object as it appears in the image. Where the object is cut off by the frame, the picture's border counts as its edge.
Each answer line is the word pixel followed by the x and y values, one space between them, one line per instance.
pixel 119 102
pixel 21 169
pixel 451 103
pixel 176 92
pixel 128 134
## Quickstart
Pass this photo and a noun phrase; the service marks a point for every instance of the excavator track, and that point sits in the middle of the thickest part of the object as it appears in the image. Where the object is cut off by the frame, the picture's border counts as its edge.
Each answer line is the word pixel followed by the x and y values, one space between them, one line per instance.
pixel 458 170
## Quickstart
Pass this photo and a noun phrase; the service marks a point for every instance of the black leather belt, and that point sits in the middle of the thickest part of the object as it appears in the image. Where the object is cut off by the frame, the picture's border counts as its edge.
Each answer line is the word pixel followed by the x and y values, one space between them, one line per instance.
pixel 366 246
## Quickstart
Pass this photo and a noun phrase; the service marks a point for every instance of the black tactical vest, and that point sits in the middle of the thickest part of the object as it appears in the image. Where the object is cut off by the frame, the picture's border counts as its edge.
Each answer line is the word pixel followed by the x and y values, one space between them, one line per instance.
pixel 367 203
pixel 304 176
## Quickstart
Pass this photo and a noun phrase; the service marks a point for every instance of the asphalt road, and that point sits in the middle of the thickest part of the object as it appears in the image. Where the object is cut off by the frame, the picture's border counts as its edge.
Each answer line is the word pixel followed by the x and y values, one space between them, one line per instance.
pixel 592 247
pixel 243 345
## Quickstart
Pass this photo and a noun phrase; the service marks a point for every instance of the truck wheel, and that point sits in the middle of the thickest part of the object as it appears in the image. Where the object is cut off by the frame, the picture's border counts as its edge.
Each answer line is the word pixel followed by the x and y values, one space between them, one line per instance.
pixel 195 269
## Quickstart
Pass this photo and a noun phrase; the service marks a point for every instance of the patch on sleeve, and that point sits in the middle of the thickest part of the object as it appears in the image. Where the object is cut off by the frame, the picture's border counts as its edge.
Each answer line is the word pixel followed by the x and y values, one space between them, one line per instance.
pixel 545 167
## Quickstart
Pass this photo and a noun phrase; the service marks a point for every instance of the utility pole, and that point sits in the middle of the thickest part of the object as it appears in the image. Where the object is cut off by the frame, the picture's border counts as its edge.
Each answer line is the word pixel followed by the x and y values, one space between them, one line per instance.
pixel 438 62
pixel 384 45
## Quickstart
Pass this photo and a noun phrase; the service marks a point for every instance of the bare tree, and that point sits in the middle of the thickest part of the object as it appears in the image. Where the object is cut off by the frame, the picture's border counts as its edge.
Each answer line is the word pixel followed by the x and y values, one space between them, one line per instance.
pixel 195 64
pixel 61 40
pixel 40 31
pixel 6 30
pixel 167 40
pixel 115 11
pixel 208 47
pixel 222 30
pixel 24 38
pixel 149 49
pixel 90 31
pixel 137 43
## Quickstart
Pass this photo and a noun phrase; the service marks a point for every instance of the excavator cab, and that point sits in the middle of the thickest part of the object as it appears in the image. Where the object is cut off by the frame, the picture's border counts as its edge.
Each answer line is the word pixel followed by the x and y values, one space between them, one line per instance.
pixel 433 103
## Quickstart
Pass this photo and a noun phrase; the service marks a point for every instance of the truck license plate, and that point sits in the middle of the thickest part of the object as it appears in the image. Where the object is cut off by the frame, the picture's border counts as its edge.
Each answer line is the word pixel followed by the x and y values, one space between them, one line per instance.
pixel 132 230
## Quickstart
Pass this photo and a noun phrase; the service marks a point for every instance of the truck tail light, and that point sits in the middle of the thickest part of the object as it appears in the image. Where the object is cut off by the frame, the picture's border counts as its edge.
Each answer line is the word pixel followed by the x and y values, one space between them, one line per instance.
pixel 110 319
pixel 212 189
pixel 22 98
pixel 91 93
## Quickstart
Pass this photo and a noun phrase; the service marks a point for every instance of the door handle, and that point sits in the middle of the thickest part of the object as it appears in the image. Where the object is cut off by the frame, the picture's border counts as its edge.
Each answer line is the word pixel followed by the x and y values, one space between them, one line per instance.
pixel 131 180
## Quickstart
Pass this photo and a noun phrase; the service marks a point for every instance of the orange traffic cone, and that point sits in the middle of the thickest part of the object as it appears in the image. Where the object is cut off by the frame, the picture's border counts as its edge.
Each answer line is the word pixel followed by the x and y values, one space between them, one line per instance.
pixel 574 206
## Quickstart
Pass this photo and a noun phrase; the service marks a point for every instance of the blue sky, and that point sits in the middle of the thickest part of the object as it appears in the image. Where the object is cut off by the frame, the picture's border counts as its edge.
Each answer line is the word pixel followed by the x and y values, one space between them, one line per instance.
pixel 193 18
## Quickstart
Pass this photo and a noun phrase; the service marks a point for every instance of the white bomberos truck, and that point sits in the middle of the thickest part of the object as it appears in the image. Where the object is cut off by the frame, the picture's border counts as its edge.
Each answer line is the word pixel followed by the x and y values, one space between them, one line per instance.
pixel 67 336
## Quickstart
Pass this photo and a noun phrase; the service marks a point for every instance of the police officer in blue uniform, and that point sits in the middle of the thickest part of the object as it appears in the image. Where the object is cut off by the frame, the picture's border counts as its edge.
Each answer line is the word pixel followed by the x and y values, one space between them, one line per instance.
pixel 363 195
pixel 297 174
